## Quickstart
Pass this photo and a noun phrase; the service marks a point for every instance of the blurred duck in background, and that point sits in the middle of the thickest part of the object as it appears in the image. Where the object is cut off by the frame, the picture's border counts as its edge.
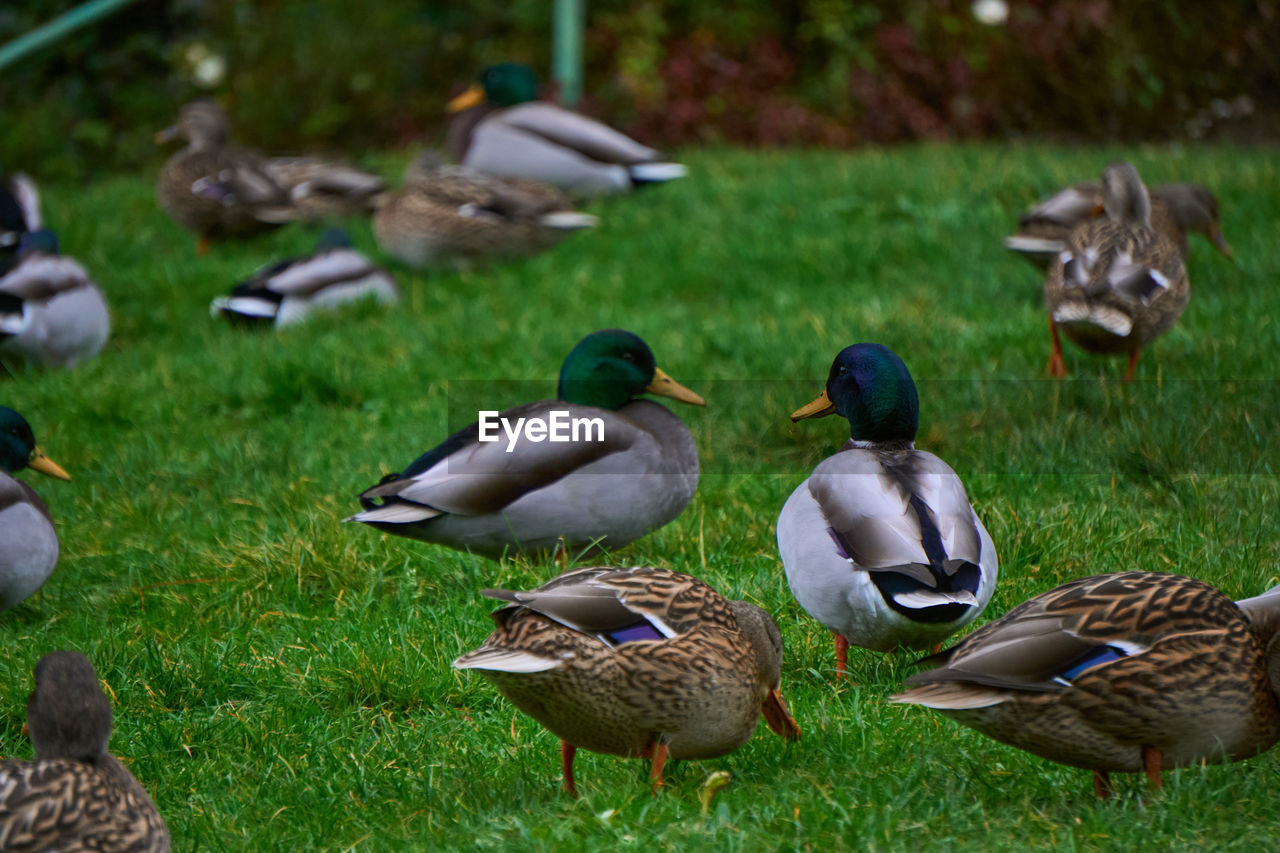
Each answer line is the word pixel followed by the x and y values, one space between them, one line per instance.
pixel 50 312
pixel 19 214
pixel 501 127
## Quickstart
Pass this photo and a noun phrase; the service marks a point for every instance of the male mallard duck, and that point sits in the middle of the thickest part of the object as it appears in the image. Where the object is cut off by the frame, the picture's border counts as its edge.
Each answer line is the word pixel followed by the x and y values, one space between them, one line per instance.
pixel 50 312
pixel 28 542
pixel 455 214
pixel 633 468
pixel 287 292
pixel 19 214
pixel 1120 673
pixel 1176 210
pixel 880 544
pixel 1118 284
pixel 502 128
pixel 75 795
pixel 640 662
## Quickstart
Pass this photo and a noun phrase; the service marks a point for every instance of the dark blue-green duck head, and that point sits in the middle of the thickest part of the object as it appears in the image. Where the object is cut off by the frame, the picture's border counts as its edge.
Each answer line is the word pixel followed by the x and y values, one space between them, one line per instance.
pixel 609 368
pixel 503 85
pixel 871 388
pixel 333 238
pixel 18 448
pixel 38 241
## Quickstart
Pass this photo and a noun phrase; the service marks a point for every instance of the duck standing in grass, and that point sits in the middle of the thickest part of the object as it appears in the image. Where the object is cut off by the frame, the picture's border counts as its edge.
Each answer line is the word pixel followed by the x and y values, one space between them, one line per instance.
pixel 457 215
pixel 880 543
pixel 28 541
pixel 217 189
pixel 19 214
pixel 501 127
pixel 289 291
pixel 641 662
pixel 1176 211
pixel 50 312
pixel 632 469
pixel 75 796
pixel 1122 673
pixel 1119 284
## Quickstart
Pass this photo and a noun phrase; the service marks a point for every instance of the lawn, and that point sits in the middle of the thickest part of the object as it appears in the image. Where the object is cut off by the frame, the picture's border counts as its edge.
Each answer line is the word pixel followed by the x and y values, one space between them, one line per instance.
pixel 282 680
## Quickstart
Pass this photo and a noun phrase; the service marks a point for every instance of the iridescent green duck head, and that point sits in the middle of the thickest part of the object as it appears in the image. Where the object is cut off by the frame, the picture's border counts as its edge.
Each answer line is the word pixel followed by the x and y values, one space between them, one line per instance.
pixel 871 388
pixel 503 85
pixel 18 448
pixel 609 368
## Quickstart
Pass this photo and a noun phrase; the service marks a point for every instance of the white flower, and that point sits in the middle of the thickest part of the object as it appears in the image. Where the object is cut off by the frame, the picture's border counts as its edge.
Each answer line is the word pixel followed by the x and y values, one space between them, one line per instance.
pixel 990 12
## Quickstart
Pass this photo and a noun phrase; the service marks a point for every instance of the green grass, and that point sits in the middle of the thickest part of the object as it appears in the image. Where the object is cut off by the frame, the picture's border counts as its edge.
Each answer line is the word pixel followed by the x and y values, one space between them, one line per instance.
pixel 282 681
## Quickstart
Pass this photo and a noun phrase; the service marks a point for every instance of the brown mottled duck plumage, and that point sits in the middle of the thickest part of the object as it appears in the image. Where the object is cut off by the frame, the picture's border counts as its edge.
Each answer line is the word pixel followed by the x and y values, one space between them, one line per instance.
pixel 74 795
pixel 639 662
pixel 1129 672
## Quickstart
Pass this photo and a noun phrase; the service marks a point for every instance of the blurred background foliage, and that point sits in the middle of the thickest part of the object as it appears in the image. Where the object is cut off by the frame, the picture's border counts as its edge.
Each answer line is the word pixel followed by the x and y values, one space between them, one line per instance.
pixel 336 75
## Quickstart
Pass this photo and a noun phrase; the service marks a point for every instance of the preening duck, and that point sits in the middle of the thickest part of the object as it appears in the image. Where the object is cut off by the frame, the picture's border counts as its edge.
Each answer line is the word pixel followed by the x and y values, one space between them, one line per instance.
pixel 641 662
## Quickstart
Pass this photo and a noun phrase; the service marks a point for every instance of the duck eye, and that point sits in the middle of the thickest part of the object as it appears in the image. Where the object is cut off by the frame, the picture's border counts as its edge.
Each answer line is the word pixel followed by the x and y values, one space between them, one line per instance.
pixel 628 356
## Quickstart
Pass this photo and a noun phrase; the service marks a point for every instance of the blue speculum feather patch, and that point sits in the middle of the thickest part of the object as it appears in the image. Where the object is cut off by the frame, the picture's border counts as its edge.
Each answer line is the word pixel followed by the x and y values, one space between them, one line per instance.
pixel 641 630
pixel 1092 658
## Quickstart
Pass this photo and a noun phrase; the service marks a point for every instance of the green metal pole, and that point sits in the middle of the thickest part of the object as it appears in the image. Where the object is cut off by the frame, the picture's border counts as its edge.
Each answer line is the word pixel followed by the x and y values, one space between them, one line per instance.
pixel 57 28
pixel 566 49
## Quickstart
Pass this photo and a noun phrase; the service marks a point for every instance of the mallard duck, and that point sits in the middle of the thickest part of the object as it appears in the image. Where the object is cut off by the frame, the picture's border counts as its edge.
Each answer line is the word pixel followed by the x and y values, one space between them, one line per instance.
pixel 633 467
pixel 50 312
pixel 455 214
pixel 19 214
pixel 212 187
pixel 502 128
pixel 288 292
pixel 880 544
pixel 1118 284
pixel 1121 673
pixel 1176 210
pixel 28 542
pixel 75 795
pixel 640 662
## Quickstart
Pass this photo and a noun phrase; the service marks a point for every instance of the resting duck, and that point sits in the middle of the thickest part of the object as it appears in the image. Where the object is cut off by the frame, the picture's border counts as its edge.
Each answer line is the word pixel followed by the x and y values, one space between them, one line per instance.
pixel 75 795
pixel 880 543
pixel 502 128
pixel 1176 210
pixel 456 215
pixel 50 311
pixel 19 214
pixel 28 541
pixel 633 468
pixel 640 662
pixel 1119 284
pixel 1121 673
pixel 288 292
pixel 217 189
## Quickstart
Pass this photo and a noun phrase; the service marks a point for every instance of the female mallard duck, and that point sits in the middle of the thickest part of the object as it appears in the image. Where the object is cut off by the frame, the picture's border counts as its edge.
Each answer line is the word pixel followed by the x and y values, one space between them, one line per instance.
pixel 489 489
pixel 455 214
pixel 50 312
pixel 75 795
pixel 212 187
pixel 1176 210
pixel 880 544
pixel 28 542
pixel 19 214
pixel 1118 284
pixel 289 291
pixel 217 189
pixel 1117 674
pixel 502 128
pixel 640 662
